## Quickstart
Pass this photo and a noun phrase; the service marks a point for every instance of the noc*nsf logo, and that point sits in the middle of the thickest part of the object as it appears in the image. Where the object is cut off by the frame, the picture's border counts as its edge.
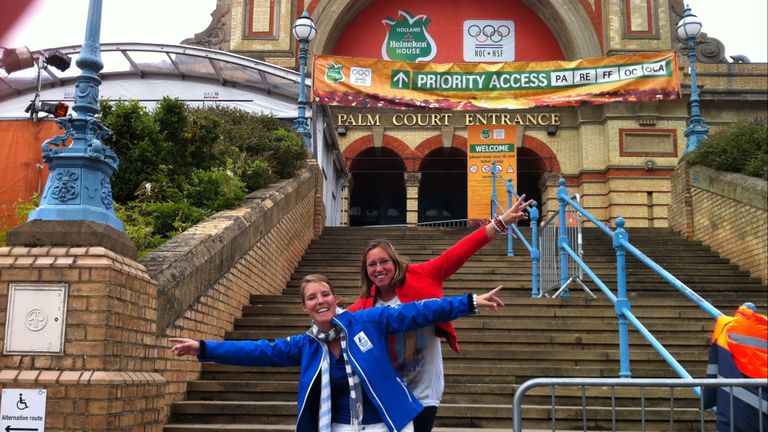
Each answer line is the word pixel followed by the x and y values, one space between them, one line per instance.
pixel 334 73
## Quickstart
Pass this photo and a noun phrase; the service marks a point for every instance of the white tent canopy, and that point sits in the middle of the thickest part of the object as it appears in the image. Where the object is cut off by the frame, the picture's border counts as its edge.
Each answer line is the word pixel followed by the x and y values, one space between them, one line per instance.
pixel 148 72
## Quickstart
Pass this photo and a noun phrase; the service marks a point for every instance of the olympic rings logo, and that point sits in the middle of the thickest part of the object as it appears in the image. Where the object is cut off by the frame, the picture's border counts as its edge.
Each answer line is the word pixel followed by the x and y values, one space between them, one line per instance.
pixel 488 32
pixel 361 72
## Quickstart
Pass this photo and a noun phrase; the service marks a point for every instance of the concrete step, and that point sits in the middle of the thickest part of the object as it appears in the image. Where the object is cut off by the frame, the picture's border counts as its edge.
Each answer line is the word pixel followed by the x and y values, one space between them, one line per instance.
pixel 464 371
pixel 452 415
pixel 532 337
pixel 456 392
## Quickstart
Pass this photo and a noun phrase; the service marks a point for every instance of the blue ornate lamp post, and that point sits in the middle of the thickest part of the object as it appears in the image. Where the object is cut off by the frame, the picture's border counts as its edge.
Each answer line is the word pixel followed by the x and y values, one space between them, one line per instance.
pixel 78 187
pixel 688 29
pixel 304 31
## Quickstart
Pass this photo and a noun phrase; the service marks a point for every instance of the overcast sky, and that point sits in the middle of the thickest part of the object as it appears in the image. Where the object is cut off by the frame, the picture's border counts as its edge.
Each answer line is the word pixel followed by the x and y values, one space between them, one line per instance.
pixel 742 25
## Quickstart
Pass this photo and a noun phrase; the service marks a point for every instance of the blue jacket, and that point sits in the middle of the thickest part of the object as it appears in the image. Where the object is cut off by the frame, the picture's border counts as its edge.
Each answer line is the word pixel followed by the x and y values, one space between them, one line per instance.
pixel 367 332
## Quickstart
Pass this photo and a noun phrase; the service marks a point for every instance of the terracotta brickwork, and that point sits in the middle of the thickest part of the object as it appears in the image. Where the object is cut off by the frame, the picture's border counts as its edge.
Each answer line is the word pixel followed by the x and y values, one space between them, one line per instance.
pixel 726 211
pixel 105 380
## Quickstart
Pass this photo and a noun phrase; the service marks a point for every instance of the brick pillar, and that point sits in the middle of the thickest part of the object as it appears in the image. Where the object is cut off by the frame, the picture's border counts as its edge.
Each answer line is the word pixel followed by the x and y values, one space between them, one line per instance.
pixel 412 181
pixel 681 202
pixel 103 380
pixel 345 201
pixel 318 220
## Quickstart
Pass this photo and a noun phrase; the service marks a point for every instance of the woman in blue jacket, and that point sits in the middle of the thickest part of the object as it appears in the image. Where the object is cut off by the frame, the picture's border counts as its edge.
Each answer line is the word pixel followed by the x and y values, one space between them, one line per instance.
pixel 347 379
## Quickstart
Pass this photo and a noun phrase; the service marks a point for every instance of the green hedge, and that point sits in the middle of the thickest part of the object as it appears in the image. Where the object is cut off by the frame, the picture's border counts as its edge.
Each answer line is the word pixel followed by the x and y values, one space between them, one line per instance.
pixel 740 148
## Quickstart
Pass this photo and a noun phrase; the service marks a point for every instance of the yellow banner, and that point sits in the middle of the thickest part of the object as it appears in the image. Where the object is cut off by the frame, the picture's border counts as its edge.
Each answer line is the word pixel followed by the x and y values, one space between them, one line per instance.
pixel 485 145
pixel 370 83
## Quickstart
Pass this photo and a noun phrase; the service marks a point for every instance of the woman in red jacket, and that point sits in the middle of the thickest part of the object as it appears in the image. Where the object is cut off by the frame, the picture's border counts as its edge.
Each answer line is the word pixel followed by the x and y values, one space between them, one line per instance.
pixel 388 279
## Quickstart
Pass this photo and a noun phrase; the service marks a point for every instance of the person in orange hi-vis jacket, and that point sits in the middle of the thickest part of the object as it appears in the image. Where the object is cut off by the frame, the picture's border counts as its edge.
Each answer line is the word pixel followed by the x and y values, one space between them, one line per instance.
pixel 739 350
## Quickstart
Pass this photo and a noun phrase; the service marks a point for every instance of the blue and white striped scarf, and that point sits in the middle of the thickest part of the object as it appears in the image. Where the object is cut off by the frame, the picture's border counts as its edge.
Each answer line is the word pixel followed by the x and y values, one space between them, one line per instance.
pixel 355 390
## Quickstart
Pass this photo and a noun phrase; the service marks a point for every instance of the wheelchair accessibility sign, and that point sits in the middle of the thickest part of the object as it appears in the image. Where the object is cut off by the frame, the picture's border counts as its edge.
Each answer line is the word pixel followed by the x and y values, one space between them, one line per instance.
pixel 23 410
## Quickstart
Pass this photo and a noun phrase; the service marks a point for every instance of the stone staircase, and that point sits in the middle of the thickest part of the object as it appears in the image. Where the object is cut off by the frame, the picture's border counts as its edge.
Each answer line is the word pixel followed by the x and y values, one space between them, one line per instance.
pixel 564 337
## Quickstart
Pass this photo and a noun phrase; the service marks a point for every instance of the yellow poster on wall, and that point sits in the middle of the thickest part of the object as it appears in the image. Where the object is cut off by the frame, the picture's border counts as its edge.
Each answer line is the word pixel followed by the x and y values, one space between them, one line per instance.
pixel 487 144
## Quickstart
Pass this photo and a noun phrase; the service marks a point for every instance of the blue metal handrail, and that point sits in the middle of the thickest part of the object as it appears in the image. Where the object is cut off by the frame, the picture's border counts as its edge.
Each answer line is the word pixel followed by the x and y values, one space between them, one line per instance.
pixel 622 305
pixel 533 216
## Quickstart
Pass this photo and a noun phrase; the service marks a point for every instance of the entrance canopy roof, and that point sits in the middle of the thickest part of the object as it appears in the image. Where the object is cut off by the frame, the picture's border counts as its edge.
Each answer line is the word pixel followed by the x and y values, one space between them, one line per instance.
pixel 147 72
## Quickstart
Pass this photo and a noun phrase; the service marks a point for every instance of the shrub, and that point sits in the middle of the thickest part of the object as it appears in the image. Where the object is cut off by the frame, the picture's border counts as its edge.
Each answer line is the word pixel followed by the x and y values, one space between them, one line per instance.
pixel 216 189
pixel 287 153
pixel 25 207
pixel 22 209
pixel 256 174
pixel 137 141
pixel 247 132
pixel 139 226
pixel 179 164
pixel 740 148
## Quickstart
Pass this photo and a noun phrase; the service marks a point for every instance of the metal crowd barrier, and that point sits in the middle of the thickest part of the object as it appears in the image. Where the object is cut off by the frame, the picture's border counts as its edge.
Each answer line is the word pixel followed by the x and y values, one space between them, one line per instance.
pixel 552 276
pixel 453 223
pixel 636 411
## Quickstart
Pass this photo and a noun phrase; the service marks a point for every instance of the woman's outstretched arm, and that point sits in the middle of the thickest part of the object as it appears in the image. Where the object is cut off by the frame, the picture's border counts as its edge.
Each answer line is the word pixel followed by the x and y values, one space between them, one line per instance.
pixel 413 315
pixel 184 346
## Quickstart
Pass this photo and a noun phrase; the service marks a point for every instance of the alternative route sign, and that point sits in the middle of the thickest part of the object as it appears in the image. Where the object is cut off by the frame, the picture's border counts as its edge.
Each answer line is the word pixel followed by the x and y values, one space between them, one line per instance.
pixel 23 410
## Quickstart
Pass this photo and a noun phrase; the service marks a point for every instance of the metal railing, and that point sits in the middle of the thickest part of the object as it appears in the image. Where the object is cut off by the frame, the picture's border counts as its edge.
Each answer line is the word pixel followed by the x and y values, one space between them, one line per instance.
pixel 622 305
pixel 551 271
pixel 453 223
pixel 594 389
pixel 514 231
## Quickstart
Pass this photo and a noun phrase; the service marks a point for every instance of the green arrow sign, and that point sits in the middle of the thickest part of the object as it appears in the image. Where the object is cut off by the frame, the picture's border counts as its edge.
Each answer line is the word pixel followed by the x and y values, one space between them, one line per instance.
pixel 401 79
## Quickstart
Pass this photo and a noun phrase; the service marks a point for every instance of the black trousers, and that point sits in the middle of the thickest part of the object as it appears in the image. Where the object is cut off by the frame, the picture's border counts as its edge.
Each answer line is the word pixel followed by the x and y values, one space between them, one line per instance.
pixel 425 420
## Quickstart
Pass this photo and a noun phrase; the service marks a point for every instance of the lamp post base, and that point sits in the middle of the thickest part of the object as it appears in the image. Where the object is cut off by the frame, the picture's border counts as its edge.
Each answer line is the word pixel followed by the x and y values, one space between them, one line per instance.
pixel 75 233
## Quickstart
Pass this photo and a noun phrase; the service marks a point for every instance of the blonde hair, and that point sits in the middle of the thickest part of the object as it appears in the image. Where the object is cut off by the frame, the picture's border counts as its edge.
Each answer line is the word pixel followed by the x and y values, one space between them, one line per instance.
pixel 400 262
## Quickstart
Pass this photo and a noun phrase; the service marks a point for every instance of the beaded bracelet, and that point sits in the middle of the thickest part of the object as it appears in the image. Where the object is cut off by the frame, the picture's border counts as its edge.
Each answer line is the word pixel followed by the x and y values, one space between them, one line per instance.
pixel 496 227
pixel 475 311
pixel 499 224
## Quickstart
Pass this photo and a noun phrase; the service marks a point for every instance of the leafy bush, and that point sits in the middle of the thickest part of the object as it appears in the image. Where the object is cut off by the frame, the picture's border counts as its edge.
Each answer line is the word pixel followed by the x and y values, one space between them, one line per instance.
pixel 256 174
pixel 740 148
pixel 22 209
pixel 25 207
pixel 286 154
pixel 179 165
pixel 216 189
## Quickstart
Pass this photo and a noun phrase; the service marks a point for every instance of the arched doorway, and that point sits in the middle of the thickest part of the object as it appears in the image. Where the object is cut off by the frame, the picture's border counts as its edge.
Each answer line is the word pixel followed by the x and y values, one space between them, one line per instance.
pixel 443 188
pixel 377 195
pixel 531 166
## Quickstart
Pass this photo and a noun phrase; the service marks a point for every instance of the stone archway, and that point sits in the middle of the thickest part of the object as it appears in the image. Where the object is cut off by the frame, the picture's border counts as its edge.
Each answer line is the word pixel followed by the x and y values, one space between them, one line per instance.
pixel 377 193
pixel 442 192
pixel 537 164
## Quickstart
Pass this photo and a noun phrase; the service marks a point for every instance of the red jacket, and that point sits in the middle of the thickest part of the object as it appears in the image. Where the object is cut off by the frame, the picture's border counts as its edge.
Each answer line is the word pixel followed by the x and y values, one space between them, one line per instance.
pixel 425 280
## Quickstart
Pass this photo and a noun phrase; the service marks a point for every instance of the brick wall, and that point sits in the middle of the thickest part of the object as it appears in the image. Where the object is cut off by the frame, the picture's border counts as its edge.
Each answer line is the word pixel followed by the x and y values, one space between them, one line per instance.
pixel 264 240
pixel 105 380
pixel 116 372
pixel 726 211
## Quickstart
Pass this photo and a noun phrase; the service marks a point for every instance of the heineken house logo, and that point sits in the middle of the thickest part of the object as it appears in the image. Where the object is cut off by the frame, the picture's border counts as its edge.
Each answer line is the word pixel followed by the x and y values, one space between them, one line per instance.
pixel 334 73
pixel 407 39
